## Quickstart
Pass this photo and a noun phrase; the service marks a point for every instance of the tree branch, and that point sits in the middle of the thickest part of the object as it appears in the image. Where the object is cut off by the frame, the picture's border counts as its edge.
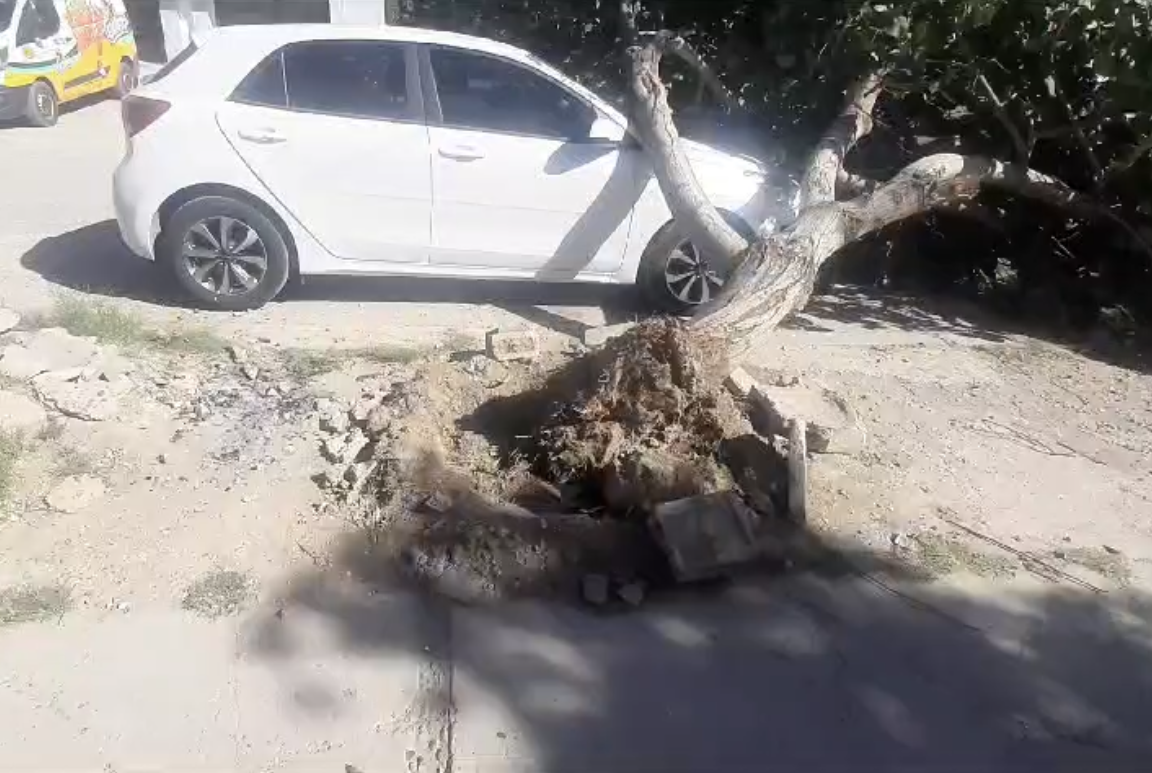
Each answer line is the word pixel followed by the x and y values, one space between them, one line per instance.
pixel 853 123
pixel 653 125
pixel 1018 143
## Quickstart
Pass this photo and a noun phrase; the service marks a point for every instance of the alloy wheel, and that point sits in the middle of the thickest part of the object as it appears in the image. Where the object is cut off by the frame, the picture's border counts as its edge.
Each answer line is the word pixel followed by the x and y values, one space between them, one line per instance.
pixel 225 256
pixel 689 277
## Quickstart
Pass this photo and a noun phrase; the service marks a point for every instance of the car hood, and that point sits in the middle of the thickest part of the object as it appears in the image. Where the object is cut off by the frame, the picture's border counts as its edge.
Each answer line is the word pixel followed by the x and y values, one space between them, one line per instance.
pixel 700 155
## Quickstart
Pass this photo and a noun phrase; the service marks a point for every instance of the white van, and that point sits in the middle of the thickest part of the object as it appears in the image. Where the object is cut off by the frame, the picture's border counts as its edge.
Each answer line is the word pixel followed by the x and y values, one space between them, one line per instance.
pixel 55 51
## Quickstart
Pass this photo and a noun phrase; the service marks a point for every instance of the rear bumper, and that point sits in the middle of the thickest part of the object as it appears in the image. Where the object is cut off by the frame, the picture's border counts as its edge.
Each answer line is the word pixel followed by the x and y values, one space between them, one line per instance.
pixel 13 102
pixel 137 222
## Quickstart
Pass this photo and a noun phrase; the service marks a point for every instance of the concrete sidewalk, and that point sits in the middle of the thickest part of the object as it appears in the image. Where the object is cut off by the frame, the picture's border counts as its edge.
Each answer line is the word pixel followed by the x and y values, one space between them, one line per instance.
pixel 805 675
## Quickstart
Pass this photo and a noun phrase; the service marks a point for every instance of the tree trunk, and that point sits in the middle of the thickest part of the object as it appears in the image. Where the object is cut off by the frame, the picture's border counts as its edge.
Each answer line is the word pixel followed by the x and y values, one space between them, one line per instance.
pixel 775 275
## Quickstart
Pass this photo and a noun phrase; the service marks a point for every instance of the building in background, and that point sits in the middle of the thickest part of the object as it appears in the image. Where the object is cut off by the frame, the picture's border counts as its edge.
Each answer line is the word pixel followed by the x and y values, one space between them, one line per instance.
pixel 165 27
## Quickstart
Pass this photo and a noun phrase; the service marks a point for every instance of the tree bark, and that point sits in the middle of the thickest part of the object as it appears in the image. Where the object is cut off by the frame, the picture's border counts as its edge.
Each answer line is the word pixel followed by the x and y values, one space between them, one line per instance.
pixel 652 122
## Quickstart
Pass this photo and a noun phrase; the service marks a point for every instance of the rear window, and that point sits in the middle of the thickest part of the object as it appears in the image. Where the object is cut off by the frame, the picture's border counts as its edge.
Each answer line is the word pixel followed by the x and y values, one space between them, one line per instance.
pixel 353 78
pixel 173 63
pixel 265 85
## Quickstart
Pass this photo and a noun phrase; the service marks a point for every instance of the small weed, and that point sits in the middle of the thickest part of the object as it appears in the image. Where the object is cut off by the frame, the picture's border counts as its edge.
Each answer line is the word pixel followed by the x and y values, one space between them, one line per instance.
pixel 384 354
pixel 53 430
pixel 306 364
pixel 11 448
pixel 108 324
pixel 33 602
pixel 193 340
pixel 72 461
pixel 101 321
pixel 217 594
pixel 1111 565
pixel 941 555
pixel 461 342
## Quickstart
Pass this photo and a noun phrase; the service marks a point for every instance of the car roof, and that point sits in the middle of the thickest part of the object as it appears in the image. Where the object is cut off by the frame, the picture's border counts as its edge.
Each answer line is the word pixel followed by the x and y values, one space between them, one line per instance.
pixel 279 34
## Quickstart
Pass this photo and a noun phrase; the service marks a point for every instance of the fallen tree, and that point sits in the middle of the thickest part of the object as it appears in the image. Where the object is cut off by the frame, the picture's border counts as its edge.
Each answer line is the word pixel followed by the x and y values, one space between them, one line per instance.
pixel 775 274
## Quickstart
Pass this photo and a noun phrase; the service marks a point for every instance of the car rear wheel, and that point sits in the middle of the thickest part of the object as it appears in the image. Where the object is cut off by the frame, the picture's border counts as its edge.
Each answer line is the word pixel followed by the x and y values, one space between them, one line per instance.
pixel 225 253
pixel 675 277
pixel 126 78
pixel 43 108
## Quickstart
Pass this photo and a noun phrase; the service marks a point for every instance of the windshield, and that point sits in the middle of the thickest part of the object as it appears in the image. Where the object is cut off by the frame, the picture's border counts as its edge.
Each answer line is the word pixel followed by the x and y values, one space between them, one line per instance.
pixel 7 7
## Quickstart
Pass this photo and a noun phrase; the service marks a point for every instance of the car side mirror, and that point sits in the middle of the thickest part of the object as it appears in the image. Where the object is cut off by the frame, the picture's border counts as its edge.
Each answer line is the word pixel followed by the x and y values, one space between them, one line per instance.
pixel 606 130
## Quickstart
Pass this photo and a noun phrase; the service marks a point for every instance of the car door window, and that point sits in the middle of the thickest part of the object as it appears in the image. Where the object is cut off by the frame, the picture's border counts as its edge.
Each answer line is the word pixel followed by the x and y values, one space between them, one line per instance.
pixel 353 78
pixel 361 79
pixel 482 92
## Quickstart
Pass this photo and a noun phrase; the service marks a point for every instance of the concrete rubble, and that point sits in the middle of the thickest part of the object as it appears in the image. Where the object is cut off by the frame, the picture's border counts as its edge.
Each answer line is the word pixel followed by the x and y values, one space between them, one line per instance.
pixel 506 346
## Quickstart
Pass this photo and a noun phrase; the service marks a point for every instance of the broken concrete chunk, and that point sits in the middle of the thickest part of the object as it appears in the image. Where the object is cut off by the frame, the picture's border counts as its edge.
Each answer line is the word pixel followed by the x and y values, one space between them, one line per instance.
pixel 250 372
pixel 364 407
pixel 8 320
pixel 595 337
pixel 75 493
pixel 706 536
pixel 833 426
pixel 513 345
pixel 379 420
pixel 238 354
pixel 798 472
pixel 334 420
pixel 21 414
pixel 46 350
pixel 594 589
pixel 68 392
pixel 740 383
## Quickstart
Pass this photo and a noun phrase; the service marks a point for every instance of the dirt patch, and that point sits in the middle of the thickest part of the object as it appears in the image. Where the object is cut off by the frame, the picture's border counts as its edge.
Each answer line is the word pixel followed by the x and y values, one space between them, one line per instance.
pixel 943 554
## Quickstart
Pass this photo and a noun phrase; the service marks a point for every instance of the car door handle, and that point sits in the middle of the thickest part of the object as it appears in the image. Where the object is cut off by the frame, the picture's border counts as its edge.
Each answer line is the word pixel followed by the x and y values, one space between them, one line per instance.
pixel 461 152
pixel 262 136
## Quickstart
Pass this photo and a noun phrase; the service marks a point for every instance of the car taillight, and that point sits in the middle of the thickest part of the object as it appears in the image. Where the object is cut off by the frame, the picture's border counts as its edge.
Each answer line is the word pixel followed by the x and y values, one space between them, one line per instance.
pixel 140 112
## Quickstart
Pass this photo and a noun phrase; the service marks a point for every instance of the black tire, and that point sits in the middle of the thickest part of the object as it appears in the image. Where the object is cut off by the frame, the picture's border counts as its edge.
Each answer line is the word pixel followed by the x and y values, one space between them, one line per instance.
pixel 227 291
pixel 127 76
pixel 43 107
pixel 651 278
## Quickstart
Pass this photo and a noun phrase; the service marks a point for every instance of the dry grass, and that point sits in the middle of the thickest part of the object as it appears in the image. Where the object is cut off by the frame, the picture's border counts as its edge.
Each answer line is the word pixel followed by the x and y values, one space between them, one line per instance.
pixel 941 555
pixel 218 593
pixel 109 324
pixel 27 603
pixel 11 449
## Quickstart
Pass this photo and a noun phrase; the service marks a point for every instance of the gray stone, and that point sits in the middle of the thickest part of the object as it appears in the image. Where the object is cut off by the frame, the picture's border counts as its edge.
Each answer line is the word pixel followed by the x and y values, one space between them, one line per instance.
pixel 798 472
pixel 8 319
pixel 595 337
pixel 740 383
pixel 21 414
pixel 706 536
pixel 343 449
pixel 334 420
pixel 632 593
pixel 364 406
pixel 75 493
pixel 238 354
pixel 833 426
pixel 513 345
pixel 379 420
pixel 594 589
pixel 250 372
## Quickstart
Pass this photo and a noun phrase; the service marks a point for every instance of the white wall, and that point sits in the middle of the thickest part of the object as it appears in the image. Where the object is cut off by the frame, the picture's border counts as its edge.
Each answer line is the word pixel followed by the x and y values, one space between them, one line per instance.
pixel 370 13
pixel 180 19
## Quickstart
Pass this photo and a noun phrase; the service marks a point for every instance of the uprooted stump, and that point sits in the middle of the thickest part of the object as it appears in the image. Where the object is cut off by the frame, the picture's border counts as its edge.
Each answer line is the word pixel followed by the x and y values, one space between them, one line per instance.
pixel 492 489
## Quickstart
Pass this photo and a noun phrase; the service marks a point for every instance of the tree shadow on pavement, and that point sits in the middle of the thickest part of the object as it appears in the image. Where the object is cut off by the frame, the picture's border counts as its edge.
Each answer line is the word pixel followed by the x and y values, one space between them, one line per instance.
pixel 93 260
pixel 878 311
pixel 850 665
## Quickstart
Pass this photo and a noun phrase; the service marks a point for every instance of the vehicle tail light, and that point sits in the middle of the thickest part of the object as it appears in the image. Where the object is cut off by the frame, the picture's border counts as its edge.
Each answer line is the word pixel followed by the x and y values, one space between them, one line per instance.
pixel 139 113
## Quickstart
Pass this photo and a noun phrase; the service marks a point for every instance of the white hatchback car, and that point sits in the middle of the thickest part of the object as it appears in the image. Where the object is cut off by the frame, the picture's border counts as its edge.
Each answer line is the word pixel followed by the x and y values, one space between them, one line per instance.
pixel 292 150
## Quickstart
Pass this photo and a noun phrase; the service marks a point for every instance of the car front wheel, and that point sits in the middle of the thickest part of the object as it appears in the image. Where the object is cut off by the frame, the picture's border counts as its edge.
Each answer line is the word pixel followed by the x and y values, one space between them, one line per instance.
pixel 225 253
pixel 43 106
pixel 675 277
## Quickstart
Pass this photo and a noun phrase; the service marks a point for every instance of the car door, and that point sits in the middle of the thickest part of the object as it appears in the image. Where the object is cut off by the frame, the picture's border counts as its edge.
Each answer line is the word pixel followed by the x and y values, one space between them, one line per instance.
pixel 335 130
pixel 517 185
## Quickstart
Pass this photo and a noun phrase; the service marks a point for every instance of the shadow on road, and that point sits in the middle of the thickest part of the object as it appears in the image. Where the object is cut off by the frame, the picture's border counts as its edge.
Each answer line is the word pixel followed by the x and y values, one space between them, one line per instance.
pixel 817 671
pixel 93 260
